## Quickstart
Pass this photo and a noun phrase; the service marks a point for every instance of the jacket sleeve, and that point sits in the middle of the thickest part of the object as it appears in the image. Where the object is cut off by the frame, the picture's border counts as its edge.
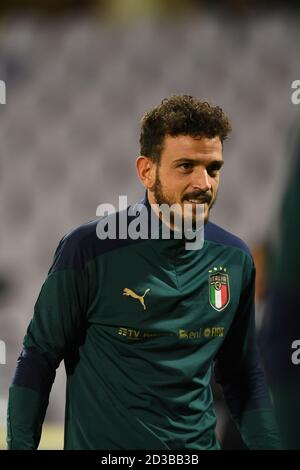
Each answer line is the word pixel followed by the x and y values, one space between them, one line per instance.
pixel 238 370
pixel 52 334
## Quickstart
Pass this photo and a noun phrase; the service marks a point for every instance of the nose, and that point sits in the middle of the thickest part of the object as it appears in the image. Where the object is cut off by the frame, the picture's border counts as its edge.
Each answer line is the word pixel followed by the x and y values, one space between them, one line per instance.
pixel 201 180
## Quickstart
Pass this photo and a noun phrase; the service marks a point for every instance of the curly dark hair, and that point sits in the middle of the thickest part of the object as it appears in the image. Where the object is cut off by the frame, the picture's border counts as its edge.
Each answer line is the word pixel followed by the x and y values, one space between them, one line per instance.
pixel 181 115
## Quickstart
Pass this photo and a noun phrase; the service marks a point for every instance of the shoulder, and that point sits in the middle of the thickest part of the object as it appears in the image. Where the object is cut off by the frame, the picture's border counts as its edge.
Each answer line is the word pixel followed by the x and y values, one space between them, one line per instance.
pixel 73 249
pixel 81 236
pixel 84 243
pixel 216 234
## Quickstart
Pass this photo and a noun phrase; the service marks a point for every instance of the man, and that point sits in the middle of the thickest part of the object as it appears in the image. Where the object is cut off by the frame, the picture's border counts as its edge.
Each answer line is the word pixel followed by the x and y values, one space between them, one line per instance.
pixel 140 322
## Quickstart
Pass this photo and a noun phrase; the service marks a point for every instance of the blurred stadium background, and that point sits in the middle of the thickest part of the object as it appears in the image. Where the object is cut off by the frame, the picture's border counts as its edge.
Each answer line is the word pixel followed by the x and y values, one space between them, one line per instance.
pixel 79 76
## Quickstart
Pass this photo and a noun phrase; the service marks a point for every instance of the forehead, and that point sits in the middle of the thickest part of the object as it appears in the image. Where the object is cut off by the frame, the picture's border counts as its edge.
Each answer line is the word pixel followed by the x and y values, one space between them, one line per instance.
pixel 200 148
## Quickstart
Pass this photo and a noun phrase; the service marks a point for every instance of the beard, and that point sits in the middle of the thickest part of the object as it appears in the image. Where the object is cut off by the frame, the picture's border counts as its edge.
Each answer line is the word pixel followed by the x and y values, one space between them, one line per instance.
pixel 162 198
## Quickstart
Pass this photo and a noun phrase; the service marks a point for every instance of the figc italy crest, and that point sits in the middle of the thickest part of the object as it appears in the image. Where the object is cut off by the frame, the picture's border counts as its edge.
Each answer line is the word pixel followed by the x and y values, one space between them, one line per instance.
pixel 219 290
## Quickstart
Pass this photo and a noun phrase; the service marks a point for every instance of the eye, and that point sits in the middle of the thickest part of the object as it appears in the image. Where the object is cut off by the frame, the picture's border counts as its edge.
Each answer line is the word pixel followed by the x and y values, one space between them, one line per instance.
pixel 213 170
pixel 186 166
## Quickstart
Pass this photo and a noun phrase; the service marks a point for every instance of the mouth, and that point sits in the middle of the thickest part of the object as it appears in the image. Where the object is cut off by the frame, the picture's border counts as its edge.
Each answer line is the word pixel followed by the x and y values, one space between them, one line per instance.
pixel 195 201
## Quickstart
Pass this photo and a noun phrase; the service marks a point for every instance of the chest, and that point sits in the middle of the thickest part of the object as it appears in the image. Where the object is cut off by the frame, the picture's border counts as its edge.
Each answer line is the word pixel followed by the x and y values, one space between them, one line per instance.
pixel 144 292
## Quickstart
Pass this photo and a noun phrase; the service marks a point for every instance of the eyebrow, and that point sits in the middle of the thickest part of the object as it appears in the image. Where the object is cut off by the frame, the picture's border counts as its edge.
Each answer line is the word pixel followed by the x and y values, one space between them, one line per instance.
pixel 215 163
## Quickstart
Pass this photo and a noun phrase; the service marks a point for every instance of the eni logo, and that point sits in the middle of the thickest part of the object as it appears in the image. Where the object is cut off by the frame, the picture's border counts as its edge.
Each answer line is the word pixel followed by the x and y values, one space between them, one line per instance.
pixel 132 294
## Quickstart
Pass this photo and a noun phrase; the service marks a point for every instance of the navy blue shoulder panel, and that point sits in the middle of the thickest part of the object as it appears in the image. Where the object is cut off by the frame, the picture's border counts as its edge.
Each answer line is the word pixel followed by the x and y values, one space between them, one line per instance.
pixel 82 244
pixel 216 234
pixel 69 252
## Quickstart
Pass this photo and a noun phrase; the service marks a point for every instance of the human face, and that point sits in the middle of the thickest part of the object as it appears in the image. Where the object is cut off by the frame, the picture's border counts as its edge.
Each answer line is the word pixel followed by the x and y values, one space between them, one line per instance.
pixel 188 173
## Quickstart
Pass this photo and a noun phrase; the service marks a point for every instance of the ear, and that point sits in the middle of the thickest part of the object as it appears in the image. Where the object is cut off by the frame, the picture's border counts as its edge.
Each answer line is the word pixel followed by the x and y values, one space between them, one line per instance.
pixel 145 168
